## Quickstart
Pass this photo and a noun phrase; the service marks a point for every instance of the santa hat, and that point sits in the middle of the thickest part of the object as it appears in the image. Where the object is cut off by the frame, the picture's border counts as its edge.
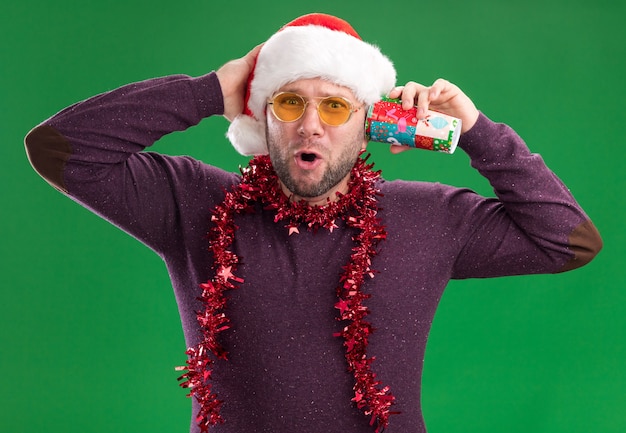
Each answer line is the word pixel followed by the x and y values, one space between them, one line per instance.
pixel 311 46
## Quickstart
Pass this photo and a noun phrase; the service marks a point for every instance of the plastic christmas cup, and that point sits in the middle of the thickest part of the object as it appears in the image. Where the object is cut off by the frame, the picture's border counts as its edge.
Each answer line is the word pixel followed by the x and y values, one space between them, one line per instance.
pixel 387 122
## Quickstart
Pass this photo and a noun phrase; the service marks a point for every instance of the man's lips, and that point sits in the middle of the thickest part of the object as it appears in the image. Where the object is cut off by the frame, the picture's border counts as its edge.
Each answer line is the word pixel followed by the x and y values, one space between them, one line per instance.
pixel 307 159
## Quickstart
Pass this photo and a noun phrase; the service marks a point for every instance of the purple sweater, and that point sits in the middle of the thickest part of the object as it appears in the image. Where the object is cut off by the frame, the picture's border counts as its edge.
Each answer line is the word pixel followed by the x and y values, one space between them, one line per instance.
pixel 286 371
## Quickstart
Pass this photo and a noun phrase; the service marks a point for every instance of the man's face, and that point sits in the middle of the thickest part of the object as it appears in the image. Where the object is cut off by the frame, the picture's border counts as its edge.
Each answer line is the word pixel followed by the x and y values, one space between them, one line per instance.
pixel 312 159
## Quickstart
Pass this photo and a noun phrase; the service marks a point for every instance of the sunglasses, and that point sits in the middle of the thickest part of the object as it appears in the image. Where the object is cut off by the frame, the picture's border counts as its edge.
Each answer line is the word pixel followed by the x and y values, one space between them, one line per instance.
pixel 333 110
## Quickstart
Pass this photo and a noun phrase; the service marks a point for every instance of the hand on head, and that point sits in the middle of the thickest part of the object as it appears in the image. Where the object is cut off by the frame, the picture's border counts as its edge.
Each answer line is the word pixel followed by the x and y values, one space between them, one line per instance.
pixel 233 77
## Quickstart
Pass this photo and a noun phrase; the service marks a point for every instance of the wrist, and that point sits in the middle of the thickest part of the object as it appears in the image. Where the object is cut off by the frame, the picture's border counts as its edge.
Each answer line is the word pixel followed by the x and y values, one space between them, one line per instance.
pixel 469 121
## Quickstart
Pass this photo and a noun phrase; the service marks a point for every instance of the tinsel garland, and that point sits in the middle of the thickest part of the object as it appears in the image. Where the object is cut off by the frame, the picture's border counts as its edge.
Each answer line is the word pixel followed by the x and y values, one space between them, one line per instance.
pixel 358 208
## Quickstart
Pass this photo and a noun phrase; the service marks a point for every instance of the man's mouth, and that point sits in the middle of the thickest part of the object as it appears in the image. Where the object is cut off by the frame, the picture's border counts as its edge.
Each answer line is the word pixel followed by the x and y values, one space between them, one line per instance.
pixel 307 160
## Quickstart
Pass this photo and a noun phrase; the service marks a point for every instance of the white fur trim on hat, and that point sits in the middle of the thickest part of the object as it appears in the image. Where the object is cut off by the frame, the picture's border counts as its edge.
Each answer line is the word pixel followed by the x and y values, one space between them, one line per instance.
pixel 310 51
pixel 247 135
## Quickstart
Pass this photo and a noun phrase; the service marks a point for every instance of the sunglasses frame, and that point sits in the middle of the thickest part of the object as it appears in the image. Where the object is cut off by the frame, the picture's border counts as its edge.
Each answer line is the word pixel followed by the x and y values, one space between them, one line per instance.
pixel 317 107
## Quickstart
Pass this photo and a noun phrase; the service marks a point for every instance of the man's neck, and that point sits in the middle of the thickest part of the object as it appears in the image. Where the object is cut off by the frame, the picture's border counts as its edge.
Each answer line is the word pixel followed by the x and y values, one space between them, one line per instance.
pixel 329 196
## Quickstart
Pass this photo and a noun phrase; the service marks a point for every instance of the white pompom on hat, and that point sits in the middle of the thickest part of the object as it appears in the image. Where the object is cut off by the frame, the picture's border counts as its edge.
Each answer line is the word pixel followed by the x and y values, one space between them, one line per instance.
pixel 311 46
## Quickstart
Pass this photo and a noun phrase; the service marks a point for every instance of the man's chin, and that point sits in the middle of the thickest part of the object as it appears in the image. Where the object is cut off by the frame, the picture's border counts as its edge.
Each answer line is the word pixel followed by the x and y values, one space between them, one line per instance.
pixel 317 185
pixel 308 192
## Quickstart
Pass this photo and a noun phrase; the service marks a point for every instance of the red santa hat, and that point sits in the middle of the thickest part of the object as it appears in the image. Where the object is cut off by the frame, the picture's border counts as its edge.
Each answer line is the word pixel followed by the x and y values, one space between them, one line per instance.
pixel 311 46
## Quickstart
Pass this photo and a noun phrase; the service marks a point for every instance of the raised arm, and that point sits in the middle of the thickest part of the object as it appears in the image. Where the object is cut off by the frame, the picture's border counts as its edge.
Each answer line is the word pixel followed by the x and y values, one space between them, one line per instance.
pixel 109 128
pixel 535 225
pixel 92 150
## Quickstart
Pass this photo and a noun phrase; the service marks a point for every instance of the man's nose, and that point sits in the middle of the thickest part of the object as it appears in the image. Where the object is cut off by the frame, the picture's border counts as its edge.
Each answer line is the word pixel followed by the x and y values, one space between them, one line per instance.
pixel 310 122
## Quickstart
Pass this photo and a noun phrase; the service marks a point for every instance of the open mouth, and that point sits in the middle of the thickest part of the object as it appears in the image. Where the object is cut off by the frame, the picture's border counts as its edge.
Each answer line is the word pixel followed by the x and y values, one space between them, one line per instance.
pixel 308 160
pixel 308 157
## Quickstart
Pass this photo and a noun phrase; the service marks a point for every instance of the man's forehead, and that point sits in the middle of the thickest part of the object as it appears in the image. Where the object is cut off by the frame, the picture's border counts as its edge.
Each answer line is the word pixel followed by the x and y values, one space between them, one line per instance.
pixel 317 87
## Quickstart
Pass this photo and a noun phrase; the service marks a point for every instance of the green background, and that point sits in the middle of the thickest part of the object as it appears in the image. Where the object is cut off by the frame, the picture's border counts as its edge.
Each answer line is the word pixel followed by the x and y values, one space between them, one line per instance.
pixel 89 331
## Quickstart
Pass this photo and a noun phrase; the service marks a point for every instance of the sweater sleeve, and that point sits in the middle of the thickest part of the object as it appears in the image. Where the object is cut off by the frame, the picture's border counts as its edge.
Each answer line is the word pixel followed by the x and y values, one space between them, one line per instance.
pixel 93 152
pixel 534 226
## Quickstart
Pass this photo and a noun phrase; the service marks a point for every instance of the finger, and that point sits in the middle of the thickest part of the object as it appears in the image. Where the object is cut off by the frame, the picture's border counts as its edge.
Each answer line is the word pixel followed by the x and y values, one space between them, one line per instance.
pixel 395 92
pixel 396 149
pixel 404 94
pixel 251 56
pixel 439 87
pixel 423 102
pixel 409 94
pixel 429 95
pixel 255 51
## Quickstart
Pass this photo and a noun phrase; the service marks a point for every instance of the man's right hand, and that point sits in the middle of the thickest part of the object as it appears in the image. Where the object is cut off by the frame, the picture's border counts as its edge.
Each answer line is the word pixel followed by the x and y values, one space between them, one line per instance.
pixel 233 77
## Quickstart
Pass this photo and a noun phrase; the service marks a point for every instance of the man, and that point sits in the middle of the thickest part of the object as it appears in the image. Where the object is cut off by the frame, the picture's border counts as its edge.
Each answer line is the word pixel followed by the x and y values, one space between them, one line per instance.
pixel 337 272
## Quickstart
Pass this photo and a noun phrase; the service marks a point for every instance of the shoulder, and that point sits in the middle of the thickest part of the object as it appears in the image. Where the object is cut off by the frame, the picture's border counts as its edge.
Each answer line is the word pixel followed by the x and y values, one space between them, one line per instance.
pixel 404 191
pixel 428 199
pixel 189 173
